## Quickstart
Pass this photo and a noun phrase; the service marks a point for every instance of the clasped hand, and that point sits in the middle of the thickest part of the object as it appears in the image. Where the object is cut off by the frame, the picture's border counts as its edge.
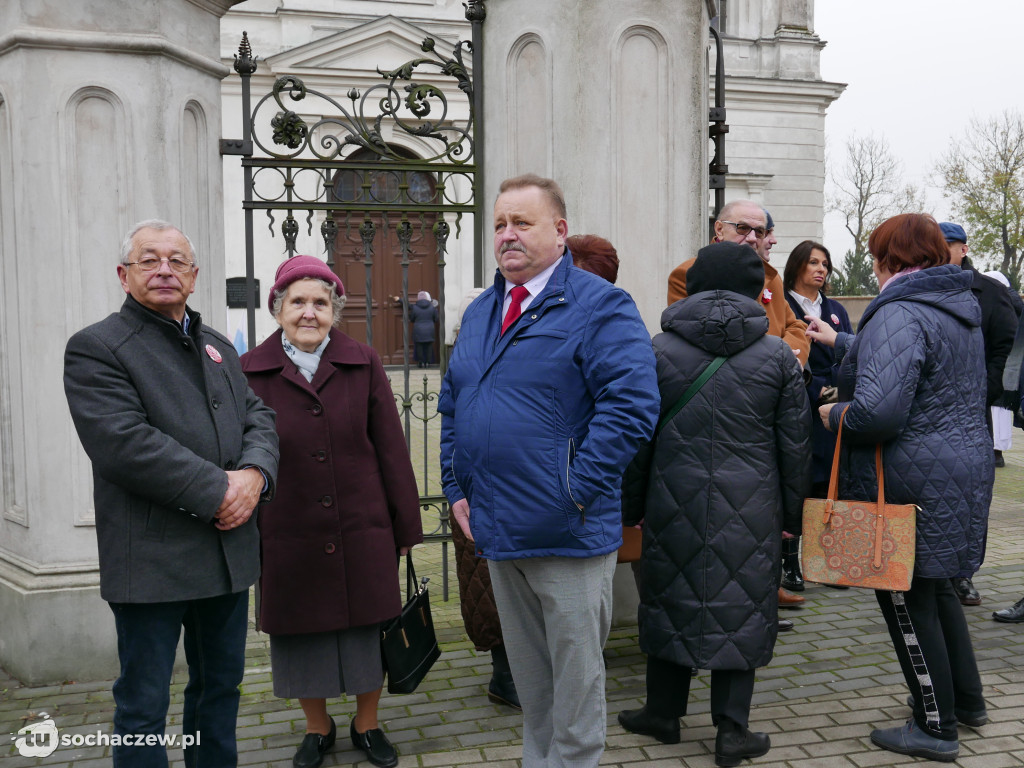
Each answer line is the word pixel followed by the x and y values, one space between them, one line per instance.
pixel 240 499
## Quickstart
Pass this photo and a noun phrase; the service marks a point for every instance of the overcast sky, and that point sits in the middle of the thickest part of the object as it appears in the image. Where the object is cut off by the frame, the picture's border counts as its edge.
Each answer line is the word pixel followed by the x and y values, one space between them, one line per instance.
pixel 916 72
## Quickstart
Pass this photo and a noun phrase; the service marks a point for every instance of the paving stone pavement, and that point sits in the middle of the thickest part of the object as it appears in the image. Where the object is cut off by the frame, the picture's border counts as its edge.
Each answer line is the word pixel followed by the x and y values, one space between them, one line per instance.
pixel 832 680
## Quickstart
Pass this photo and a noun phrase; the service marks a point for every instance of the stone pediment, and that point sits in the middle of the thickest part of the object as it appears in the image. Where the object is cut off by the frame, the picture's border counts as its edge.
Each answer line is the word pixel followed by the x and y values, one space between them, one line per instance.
pixel 386 42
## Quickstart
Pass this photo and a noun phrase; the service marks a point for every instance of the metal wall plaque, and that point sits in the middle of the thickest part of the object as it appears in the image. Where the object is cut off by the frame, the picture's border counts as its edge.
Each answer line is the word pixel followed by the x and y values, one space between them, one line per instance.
pixel 236 293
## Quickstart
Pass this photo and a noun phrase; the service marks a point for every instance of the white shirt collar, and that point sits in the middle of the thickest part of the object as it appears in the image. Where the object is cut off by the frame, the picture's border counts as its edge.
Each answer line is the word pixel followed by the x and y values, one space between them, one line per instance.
pixel 534 286
pixel 812 308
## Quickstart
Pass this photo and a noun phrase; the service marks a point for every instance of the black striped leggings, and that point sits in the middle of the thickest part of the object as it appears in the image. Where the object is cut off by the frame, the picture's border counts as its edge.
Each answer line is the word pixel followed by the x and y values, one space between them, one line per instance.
pixel 929 632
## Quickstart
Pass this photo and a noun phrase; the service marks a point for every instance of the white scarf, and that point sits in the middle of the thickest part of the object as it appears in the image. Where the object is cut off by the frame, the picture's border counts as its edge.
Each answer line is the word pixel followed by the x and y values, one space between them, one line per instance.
pixel 306 362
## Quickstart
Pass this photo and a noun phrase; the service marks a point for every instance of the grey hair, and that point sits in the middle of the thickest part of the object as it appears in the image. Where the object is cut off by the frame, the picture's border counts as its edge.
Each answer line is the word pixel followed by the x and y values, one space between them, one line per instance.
pixel 337 302
pixel 159 225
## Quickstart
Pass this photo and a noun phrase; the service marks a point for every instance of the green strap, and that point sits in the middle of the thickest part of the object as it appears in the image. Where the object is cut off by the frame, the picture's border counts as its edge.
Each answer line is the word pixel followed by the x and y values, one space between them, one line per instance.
pixel 693 390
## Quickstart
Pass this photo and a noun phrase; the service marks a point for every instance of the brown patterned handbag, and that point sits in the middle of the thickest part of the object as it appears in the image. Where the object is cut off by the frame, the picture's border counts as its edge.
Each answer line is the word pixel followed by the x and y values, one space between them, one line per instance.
pixel 858 543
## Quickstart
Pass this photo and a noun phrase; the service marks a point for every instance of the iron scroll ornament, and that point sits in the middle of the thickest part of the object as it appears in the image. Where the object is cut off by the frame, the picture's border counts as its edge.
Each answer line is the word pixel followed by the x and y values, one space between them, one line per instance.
pixel 355 126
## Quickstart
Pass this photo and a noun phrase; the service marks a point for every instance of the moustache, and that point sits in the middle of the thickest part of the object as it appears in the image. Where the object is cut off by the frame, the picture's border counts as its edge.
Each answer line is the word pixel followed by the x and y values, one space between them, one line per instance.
pixel 512 246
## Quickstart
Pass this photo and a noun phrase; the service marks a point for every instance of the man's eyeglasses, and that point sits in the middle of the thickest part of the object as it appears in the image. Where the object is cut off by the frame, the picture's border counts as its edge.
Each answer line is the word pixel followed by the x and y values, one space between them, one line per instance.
pixel 153 264
pixel 745 229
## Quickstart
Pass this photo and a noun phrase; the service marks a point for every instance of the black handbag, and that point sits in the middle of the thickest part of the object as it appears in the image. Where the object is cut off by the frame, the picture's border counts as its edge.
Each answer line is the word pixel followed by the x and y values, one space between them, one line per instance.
pixel 408 644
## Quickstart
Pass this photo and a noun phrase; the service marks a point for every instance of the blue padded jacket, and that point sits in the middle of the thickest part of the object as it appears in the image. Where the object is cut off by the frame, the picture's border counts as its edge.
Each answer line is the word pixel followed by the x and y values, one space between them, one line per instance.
pixel 538 425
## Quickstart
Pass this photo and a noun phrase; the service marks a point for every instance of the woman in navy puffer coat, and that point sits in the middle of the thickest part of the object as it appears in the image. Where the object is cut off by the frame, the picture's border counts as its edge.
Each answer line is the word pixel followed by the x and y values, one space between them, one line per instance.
pixel 913 379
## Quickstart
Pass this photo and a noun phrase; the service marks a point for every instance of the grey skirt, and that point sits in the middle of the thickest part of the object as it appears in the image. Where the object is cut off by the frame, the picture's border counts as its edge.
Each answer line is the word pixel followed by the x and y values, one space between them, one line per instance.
pixel 324 665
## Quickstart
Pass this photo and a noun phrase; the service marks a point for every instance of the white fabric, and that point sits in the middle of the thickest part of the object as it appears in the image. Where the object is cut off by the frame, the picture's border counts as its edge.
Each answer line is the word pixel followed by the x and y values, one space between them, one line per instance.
pixel 306 362
pixel 1002 428
pixel 812 308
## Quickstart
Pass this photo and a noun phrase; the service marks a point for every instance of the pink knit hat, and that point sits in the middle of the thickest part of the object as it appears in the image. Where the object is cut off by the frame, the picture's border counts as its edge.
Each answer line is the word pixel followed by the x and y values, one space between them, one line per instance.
pixel 300 268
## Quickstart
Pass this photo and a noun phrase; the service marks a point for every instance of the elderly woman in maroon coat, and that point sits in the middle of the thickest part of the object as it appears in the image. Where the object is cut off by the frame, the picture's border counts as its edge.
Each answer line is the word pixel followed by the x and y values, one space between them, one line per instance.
pixel 346 507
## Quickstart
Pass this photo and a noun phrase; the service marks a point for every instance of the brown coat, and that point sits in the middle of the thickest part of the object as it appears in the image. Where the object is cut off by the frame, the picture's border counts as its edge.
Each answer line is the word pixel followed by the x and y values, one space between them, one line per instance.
pixel 346 494
pixel 781 320
pixel 476 597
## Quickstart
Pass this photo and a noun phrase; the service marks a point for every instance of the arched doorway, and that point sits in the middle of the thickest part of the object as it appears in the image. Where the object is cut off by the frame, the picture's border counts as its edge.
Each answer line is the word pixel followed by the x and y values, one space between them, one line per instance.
pixel 376 184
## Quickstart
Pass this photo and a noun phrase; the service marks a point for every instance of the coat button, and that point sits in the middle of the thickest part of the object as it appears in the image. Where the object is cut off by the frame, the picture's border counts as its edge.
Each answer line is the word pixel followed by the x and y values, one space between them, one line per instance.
pixel 329 548
pixel 326 501
pixel 533 317
pixel 215 404
pixel 321 455
pixel 317 410
pixel 185 344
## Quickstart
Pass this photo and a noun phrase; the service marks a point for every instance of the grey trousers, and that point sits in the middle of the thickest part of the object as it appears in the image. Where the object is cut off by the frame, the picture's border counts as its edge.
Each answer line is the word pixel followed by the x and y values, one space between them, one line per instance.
pixel 555 615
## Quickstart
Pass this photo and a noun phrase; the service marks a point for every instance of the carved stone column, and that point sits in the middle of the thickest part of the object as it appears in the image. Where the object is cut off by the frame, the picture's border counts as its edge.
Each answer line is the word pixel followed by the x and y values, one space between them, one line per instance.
pixel 109 113
pixel 611 100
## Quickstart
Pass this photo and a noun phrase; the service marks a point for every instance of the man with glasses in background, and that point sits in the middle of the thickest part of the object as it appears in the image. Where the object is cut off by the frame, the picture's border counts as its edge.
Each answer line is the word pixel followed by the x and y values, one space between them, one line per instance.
pixel 182 451
pixel 746 222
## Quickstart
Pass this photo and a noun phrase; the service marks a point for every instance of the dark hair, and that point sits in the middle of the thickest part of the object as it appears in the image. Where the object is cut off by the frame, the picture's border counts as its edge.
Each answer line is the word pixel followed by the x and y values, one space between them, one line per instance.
pixel 908 240
pixel 797 262
pixel 594 254
pixel 548 186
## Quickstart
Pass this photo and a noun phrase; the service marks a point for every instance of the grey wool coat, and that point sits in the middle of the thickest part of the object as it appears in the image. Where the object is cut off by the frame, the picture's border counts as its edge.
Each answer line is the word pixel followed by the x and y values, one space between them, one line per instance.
pixel 162 415
pixel 727 474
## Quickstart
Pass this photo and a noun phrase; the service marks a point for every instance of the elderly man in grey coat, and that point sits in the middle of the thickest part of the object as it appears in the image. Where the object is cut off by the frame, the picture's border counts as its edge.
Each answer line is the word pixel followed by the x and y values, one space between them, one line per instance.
pixel 182 451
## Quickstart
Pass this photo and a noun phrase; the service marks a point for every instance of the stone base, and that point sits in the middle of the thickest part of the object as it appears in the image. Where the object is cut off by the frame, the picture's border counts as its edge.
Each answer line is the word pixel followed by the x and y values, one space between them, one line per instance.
pixel 55 634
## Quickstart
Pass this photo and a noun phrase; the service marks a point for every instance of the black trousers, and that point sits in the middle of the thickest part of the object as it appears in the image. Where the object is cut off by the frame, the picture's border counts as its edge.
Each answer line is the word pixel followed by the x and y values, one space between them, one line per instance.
pixel 929 632
pixel 668 690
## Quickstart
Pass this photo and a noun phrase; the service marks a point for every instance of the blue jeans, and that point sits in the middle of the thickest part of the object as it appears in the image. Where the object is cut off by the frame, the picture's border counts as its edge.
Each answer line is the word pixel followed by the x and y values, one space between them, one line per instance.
pixel 147 636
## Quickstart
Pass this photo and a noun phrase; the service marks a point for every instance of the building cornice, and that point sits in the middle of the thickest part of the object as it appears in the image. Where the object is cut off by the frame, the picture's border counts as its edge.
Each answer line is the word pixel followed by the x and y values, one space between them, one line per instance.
pixel 151 45
pixel 771 90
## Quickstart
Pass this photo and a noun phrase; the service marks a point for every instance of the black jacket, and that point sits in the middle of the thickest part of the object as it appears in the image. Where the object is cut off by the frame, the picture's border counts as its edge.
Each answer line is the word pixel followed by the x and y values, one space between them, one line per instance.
pixel 998 327
pixel 729 471
pixel 822 366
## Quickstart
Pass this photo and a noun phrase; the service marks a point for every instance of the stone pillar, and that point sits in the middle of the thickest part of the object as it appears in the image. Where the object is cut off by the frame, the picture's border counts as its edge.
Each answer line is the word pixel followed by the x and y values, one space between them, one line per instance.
pixel 109 113
pixel 611 100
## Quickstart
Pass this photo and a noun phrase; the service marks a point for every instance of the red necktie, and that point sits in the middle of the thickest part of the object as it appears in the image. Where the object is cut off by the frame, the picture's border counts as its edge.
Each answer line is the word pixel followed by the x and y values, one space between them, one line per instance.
pixel 515 309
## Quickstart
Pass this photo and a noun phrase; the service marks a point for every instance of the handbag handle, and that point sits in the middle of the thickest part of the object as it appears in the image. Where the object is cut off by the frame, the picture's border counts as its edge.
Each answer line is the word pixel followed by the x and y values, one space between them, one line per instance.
pixel 833 491
pixel 410 579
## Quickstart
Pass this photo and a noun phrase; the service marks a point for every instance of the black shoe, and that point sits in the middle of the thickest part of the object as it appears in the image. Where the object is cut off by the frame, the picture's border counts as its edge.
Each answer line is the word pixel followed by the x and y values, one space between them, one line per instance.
pixel 785 625
pixel 664 729
pixel 1012 615
pixel 908 739
pixel 965 590
pixel 734 744
pixel 792 579
pixel 999 460
pixel 313 748
pixel 376 746
pixel 502 688
pixel 970 719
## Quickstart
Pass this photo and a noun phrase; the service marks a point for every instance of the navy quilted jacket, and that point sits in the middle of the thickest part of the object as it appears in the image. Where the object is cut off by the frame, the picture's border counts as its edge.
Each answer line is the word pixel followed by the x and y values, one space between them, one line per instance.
pixel 914 379
pixel 729 471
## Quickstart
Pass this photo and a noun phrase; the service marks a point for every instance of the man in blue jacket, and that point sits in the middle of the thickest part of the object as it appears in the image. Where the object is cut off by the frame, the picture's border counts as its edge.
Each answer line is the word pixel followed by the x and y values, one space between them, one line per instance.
pixel 550 390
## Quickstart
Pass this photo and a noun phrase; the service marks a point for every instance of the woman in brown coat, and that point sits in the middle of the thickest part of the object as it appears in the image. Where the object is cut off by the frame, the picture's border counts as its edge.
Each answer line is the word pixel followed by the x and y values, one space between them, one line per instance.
pixel 346 507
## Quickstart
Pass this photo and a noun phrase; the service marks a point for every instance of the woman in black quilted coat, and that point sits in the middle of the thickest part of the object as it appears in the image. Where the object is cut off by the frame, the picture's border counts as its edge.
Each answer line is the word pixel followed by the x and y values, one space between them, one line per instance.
pixel 913 378
pixel 728 474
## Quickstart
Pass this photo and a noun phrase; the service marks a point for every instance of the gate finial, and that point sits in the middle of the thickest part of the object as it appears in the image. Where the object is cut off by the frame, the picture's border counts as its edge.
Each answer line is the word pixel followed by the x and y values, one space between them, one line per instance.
pixel 245 64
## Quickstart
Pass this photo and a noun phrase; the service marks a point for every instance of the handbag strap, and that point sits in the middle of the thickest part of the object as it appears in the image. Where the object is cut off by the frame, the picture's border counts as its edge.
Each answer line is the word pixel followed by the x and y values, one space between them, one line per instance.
pixel 410 577
pixel 833 490
pixel 693 390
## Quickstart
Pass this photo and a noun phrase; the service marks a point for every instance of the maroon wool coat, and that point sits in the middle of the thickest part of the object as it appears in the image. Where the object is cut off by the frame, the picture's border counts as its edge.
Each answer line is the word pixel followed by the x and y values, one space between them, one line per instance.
pixel 346 495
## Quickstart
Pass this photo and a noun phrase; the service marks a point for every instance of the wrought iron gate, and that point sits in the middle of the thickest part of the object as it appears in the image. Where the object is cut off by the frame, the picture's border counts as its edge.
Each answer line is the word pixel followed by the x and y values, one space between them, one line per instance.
pixel 311 160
